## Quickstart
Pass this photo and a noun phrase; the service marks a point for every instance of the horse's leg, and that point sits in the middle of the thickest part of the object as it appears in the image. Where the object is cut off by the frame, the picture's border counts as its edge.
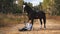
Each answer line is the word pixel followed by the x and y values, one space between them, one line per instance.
pixel 44 19
pixel 30 19
pixel 41 23
pixel 32 22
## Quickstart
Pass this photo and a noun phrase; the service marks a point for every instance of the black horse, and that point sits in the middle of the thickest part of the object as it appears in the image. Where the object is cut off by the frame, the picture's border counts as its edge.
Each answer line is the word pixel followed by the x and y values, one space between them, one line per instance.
pixel 32 14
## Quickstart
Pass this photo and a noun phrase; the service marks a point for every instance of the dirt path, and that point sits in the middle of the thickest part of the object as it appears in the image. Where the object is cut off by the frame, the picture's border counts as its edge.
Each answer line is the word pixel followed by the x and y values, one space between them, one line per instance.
pixel 53 27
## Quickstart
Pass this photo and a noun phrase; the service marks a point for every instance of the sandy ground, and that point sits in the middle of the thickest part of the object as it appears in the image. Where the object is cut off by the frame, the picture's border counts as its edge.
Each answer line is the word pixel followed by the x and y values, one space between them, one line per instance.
pixel 53 27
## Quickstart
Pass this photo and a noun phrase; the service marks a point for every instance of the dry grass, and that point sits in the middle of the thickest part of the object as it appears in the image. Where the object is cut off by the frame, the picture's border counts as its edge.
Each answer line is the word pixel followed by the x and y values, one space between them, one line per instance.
pixel 10 19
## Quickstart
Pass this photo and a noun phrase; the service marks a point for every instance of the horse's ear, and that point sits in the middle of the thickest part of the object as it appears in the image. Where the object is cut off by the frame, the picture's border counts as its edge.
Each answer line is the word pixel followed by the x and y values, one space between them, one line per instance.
pixel 25 3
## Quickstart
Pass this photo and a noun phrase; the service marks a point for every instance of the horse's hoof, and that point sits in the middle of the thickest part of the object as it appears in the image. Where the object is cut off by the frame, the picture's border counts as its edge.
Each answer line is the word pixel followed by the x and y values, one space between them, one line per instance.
pixel 40 27
pixel 44 28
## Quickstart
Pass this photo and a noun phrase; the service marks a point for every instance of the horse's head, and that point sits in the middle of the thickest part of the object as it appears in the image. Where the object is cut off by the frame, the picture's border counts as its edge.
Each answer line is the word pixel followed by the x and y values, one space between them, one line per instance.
pixel 27 8
pixel 24 6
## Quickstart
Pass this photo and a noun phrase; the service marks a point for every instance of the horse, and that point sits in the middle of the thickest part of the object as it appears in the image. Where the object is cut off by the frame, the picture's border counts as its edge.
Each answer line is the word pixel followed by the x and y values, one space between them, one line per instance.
pixel 32 14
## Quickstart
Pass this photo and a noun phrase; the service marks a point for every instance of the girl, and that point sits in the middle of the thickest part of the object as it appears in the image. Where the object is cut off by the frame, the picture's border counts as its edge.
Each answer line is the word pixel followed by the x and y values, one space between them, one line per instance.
pixel 28 26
